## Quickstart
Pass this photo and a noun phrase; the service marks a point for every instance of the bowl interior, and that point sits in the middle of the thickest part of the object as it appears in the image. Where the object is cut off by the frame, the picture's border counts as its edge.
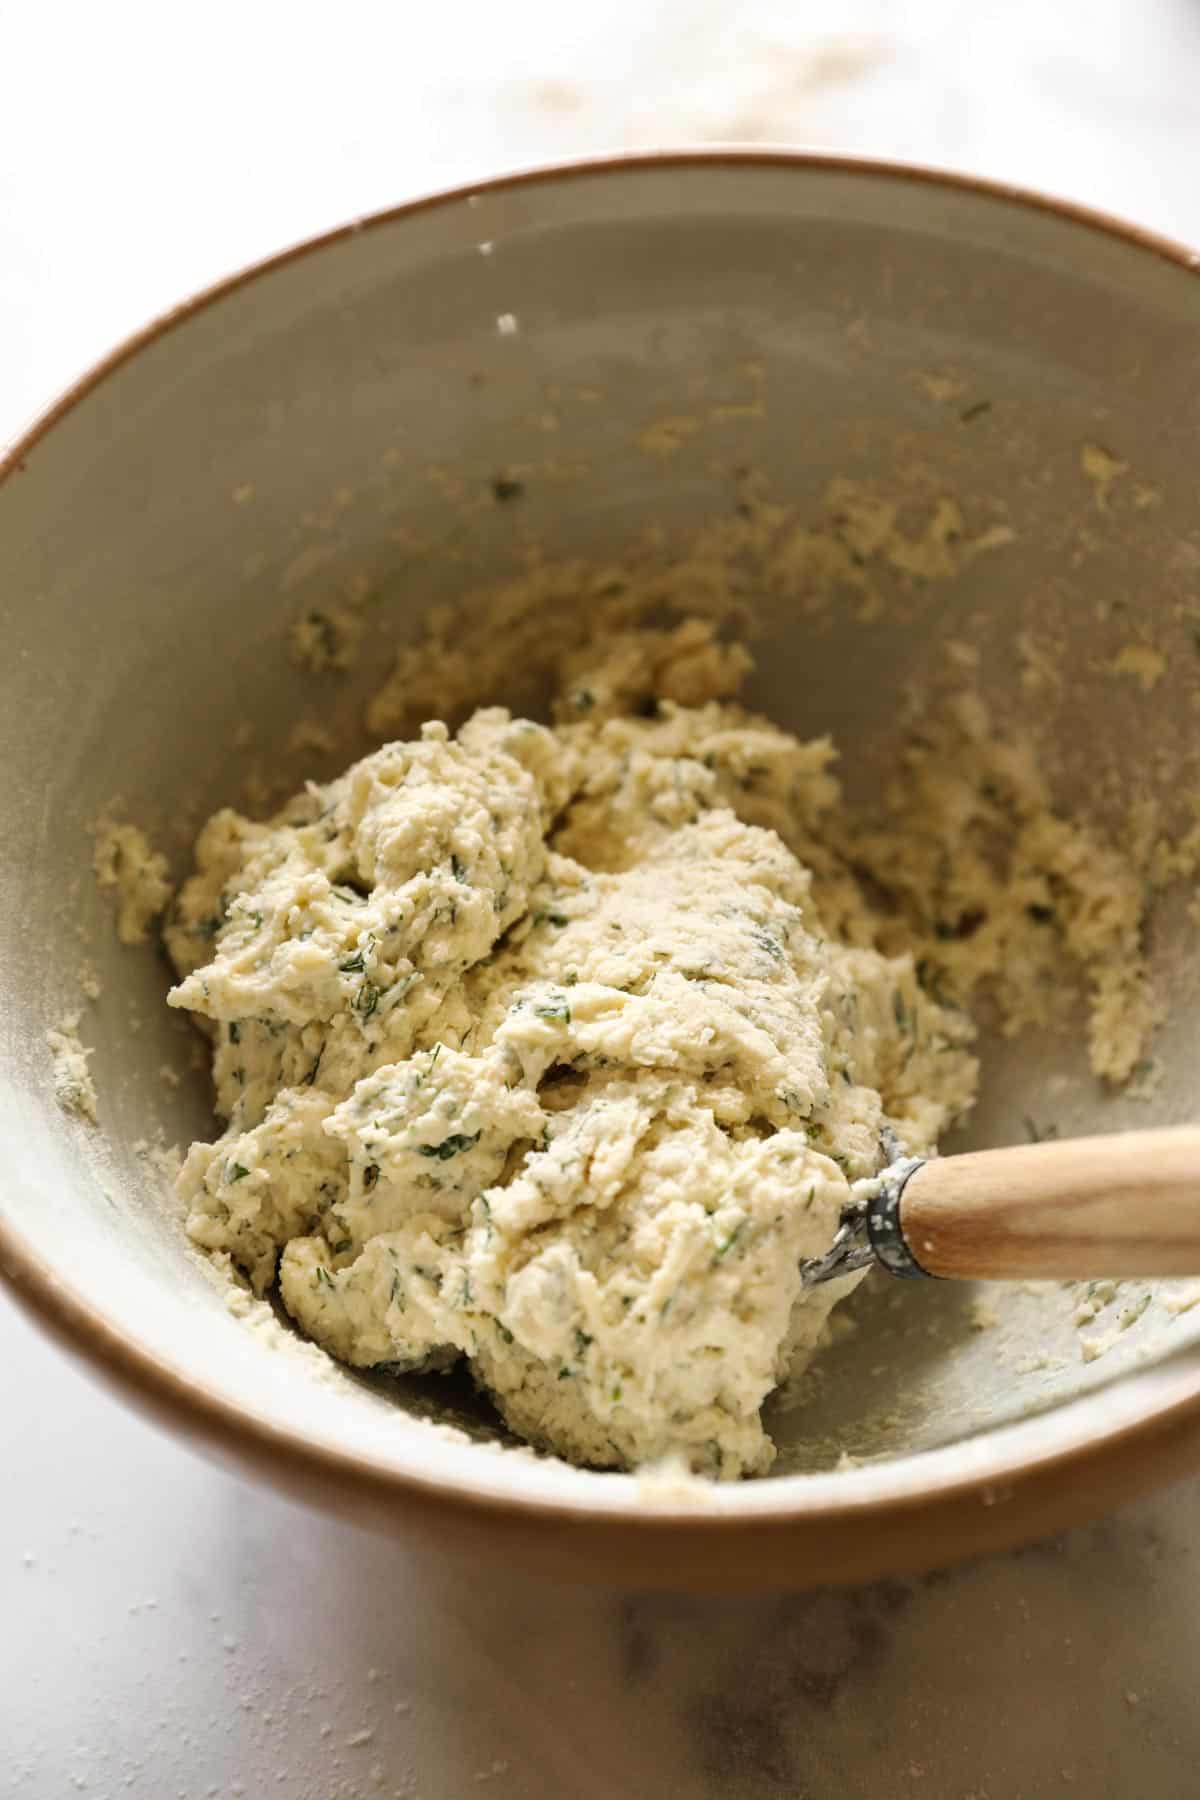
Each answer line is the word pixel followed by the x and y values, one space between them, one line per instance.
pixel 631 347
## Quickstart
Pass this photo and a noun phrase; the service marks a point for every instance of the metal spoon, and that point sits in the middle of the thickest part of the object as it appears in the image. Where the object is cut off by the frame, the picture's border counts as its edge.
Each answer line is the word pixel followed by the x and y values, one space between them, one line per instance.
pixel 1123 1205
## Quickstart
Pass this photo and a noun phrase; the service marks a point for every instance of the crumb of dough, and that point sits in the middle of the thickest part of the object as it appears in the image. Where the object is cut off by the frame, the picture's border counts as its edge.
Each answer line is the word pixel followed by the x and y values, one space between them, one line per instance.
pixel 1182 1300
pixel 537 1050
pixel 983 1315
pixel 961 656
pixel 1041 664
pixel 1102 469
pixel 89 982
pixel 1093 1347
pixel 940 388
pixel 326 639
pixel 169 1077
pixel 311 734
pixel 74 1088
pixel 664 437
pixel 134 873
pixel 1141 663
pixel 1096 1297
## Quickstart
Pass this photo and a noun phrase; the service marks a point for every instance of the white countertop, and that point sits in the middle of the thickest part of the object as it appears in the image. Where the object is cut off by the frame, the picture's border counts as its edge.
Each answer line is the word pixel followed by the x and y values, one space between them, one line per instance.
pixel 169 1631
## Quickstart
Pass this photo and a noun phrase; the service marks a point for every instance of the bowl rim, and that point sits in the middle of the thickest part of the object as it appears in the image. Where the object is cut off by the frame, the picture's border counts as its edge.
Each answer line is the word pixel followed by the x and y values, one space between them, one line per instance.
pixel 1099 1441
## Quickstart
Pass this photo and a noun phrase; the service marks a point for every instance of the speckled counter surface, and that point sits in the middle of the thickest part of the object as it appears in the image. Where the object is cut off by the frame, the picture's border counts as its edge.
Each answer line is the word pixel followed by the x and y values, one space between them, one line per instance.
pixel 169 1631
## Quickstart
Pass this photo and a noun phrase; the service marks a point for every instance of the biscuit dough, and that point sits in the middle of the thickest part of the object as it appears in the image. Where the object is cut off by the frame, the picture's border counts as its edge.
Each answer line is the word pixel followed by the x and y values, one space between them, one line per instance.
pixel 535 1049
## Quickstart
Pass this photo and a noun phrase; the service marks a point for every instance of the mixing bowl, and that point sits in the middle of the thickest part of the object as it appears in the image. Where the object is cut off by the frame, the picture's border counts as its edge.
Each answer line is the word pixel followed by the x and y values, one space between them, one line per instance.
pixel 568 371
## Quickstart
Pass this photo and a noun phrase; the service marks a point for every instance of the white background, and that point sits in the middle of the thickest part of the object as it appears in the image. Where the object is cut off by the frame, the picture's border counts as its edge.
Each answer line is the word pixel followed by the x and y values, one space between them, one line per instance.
pixel 165 1630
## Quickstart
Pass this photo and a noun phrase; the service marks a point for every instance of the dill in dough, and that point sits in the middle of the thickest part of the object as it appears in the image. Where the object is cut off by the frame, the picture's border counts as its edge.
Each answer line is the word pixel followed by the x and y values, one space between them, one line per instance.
pixel 535 1048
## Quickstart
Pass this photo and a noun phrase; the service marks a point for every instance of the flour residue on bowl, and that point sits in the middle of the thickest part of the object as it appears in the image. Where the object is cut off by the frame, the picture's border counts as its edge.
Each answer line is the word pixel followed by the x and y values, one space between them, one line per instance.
pixel 74 1088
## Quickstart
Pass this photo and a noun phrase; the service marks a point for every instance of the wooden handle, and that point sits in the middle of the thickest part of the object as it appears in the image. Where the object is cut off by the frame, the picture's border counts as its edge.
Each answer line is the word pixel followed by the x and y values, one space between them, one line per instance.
pixel 1122 1205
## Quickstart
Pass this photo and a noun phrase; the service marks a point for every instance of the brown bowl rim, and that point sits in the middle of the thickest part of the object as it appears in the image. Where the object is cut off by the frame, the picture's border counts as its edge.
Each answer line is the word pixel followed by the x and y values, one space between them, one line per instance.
pixel 1167 1434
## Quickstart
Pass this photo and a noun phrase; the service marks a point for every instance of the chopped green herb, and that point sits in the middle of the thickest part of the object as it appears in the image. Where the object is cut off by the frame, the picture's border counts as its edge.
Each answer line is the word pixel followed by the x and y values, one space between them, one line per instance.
pixel 553 1008
pixel 235 1032
pixel 367 999
pixel 341 1245
pixel 353 965
pixel 550 918
pixel 312 1073
pixel 582 1340
pixel 505 1333
pixel 571 978
pixel 1038 1134
pixel 505 488
pixel 323 1278
pixel 451 1146
pixel 722 1250
pixel 370 1177
pixel 459 870
pixel 971 413
pixel 931 981
pixel 238 1172
pixel 900 1011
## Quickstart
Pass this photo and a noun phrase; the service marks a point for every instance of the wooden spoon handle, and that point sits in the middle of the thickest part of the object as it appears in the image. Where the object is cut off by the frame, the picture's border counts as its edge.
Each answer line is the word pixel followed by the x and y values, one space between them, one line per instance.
pixel 1122 1205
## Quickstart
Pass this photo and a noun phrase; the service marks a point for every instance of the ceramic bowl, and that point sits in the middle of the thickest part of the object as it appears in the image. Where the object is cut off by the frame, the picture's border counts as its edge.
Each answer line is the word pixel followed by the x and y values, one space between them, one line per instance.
pixel 567 364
